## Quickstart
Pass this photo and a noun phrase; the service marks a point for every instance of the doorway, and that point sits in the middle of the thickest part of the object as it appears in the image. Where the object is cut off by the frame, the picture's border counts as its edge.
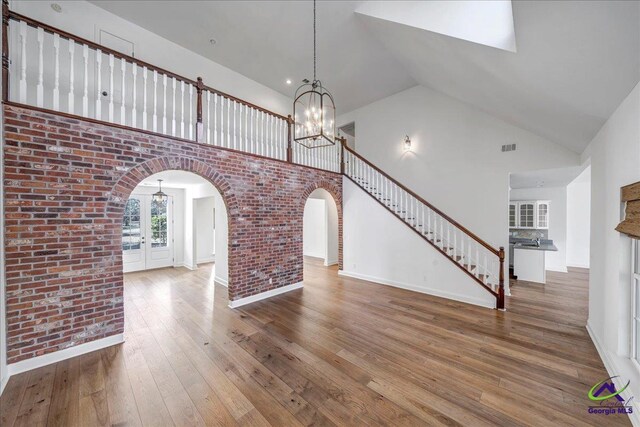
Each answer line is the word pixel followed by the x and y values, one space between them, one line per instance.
pixel 320 238
pixel 147 233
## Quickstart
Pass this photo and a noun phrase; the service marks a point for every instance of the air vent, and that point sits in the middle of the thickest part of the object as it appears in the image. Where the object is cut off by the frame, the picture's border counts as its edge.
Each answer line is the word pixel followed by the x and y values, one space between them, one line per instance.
pixel 509 147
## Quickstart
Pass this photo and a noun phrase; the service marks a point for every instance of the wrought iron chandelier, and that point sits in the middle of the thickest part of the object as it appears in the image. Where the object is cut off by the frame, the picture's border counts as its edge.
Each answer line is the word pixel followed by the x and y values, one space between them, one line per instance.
pixel 159 196
pixel 314 112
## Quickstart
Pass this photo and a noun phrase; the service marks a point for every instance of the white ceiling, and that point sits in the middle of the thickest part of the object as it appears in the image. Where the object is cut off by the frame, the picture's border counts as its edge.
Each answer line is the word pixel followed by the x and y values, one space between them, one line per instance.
pixel 575 61
pixel 174 179
pixel 544 178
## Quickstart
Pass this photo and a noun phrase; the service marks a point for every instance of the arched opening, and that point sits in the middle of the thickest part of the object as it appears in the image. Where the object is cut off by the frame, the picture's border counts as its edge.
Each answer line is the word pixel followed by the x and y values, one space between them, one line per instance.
pixel 173 243
pixel 320 236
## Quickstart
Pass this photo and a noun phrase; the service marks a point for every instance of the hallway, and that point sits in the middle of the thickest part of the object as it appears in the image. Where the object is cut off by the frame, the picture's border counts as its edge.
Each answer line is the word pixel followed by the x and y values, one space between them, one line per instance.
pixel 341 351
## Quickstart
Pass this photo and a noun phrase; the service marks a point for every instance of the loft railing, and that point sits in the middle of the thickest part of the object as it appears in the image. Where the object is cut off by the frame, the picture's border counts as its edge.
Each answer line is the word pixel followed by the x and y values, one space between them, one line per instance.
pixel 470 253
pixel 48 68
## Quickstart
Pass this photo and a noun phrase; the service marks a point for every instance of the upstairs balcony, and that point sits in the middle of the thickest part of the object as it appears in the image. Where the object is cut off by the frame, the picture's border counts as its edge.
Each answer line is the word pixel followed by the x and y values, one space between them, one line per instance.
pixel 50 69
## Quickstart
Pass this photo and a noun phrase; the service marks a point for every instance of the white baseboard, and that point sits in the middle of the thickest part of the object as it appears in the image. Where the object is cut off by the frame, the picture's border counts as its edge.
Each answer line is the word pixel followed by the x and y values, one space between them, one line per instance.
pixel 264 295
pixel 577 265
pixel 613 369
pixel 207 260
pixel 330 263
pixel 420 289
pixel 67 353
pixel 220 280
pixel 3 383
pixel 557 269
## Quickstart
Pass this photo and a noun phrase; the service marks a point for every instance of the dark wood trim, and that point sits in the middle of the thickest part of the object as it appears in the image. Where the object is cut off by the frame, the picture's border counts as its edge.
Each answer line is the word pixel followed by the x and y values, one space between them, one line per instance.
pixel 155 134
pixel 199 125
pixel 5 50
pixel 500 302
pixel 487 288
pixel 438 211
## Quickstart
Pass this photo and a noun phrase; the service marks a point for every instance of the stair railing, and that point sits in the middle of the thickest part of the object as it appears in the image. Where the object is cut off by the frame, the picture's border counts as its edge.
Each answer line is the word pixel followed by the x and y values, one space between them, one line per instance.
pixel 478 259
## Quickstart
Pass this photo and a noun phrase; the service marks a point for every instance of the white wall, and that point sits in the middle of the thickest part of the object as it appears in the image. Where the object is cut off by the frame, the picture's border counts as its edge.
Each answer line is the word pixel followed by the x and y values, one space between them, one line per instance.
pixel 379 247
pixel 205 232
pixel 455 162
pixel 579 220
pixel 86 20
pixel 221 242
pixel 557 197
pixel 331 234
pixel 615 161
pixel 314 233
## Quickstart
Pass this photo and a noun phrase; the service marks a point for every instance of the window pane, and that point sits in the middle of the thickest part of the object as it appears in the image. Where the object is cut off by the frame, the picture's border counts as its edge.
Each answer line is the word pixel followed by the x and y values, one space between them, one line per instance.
pixel 131 225
pixel 159 223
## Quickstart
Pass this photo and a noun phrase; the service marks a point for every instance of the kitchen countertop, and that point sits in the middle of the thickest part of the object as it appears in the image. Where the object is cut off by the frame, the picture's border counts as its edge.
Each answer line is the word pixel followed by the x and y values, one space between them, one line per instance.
pixel 542 247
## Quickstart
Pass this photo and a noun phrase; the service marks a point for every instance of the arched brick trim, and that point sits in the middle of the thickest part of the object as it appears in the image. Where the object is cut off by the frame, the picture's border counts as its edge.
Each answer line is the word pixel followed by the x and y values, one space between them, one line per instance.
pixel 336 193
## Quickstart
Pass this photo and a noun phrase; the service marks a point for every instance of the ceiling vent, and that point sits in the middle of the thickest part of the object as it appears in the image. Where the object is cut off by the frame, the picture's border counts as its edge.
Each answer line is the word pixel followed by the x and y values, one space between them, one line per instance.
pixel 508 147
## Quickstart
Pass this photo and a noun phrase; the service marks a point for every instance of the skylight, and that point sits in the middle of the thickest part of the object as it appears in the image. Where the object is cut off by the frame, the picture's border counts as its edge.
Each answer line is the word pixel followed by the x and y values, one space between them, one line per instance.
pixel 479 21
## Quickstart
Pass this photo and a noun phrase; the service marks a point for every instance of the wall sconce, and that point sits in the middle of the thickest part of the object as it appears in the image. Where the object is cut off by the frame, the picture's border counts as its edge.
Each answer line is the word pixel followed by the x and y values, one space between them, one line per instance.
pixel 407 143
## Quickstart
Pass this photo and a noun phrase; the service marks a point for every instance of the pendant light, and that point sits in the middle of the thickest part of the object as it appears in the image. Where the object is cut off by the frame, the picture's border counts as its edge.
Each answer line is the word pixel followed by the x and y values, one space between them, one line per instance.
pixel 314 111
pixel 159 196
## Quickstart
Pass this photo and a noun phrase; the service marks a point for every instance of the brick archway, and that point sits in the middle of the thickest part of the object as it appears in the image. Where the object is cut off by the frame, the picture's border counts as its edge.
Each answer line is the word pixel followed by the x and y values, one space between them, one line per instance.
pixel 64 200
pixel 336 193
pixel 127 182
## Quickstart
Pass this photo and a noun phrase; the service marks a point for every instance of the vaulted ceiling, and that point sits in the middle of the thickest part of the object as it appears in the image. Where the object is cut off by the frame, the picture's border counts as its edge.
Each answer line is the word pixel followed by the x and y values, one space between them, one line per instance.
pixel 574 61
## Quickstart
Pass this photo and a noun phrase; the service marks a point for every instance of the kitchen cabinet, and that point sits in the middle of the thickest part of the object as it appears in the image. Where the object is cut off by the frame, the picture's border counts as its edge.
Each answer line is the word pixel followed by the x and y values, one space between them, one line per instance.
pixel 533 214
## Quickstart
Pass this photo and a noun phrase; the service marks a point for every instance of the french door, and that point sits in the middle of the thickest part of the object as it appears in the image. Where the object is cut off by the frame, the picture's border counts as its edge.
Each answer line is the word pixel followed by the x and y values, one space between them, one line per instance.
pixel 147 233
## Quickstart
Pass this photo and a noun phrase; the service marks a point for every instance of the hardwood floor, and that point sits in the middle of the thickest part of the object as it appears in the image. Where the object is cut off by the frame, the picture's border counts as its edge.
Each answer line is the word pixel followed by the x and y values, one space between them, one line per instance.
pixel 339 352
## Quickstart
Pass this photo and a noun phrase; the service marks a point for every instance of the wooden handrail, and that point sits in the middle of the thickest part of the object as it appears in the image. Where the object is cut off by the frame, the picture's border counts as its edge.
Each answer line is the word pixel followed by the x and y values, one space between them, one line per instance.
pixel 420 199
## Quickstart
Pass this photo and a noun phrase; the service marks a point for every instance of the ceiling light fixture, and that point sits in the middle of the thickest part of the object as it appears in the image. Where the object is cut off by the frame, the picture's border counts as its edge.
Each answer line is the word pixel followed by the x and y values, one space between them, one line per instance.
pixel 213 42
pixel 314 111
pixel 56 7
pixel 407 143
pixel 288 81
pixel 159 196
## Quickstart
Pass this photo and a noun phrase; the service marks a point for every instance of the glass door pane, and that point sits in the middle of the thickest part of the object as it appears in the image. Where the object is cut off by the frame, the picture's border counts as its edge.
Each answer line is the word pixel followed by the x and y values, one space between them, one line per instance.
pixel 159 227
pixel 131 231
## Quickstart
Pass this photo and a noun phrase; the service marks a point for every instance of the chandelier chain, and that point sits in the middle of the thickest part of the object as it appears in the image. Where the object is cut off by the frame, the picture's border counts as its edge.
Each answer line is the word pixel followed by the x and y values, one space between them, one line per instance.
pixel 314 41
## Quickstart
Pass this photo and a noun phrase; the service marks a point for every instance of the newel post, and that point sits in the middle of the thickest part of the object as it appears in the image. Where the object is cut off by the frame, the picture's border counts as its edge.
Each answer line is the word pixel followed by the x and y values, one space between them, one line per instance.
pixel 199 125
pixel 500 304
pixel 5 50
pixel 289 147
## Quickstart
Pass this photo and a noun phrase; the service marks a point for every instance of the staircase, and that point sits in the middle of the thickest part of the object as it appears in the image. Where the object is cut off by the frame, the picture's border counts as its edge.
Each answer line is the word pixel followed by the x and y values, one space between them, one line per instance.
pixel 483 263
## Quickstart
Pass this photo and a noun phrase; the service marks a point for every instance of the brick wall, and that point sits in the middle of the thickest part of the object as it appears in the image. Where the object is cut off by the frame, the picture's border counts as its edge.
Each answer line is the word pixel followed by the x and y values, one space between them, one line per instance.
pixel 66 182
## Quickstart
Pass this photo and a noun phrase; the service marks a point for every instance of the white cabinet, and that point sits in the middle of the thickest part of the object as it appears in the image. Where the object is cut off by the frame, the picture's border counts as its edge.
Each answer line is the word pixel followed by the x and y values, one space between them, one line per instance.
pixel 513 214
pixel 532 214
pixel 542 214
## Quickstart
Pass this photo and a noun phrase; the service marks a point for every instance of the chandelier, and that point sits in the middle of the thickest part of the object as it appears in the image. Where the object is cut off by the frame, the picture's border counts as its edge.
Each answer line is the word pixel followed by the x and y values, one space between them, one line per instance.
pixel 159 196
pixel 314 112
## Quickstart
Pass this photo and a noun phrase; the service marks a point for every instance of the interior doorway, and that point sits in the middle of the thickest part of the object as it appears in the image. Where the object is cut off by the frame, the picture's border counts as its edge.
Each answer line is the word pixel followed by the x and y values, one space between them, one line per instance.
pixel 184 226
pixel 147 233
pixel 320 238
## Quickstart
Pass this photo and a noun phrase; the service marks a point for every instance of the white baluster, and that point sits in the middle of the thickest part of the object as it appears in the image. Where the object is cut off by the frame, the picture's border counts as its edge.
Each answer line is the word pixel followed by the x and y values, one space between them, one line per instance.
pixel 23 63
pixel 228 123
pixel 191 121
pixel 235 129
pixel 85 93
pixel 209 117
pixel 123 69
pixel 111 61
pixel 173 107
pixel 72 97
pixel 144 98
pixel 215 119
pixel 99 85
pixel 154 118
pixel 40 87
pixel 56 71
pixel 181 109
pixel 134 95
pixel 164 104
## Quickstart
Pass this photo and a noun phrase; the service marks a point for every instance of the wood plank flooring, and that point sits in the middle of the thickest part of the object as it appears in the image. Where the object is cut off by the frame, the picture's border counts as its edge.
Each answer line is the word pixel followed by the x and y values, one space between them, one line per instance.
pixel 339 352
